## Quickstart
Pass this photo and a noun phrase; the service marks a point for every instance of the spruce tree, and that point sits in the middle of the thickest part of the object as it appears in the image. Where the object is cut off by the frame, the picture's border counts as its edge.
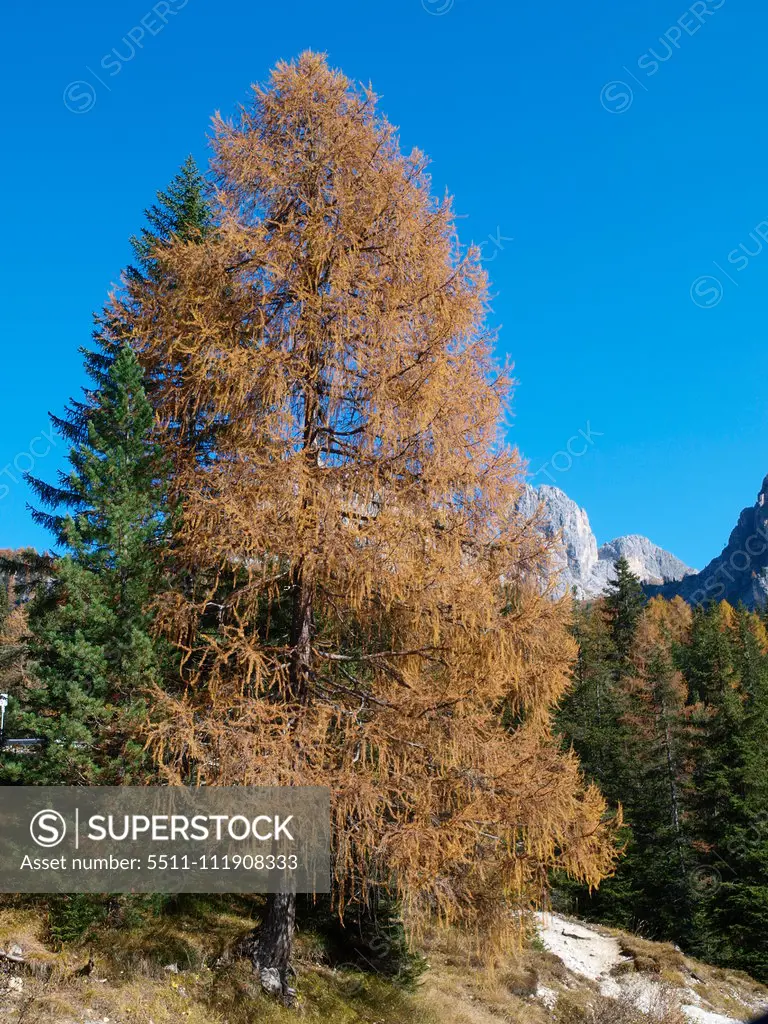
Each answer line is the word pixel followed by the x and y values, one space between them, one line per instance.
pixel 657 728
pixel 623 604
pixel 181 213
pixel 593 716
pixel 90 652
pixel 591 720
pixel 591 713
pixel 626 719
pixel 730 827
pixel 685 756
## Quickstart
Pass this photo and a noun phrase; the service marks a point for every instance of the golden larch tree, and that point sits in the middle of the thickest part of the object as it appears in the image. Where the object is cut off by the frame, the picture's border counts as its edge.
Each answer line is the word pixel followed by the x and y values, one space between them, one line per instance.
pixel 373 620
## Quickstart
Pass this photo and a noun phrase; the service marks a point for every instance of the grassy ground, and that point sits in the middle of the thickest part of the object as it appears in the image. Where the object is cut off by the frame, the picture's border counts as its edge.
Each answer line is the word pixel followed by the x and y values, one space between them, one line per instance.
pixel 131 982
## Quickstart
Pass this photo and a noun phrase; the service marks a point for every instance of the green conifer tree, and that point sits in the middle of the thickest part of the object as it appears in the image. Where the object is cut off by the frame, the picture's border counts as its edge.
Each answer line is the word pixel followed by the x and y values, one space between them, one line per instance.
pixel 181 211
pixel 91 655
pixel 623 604
pixel 730 826
pixel 591 720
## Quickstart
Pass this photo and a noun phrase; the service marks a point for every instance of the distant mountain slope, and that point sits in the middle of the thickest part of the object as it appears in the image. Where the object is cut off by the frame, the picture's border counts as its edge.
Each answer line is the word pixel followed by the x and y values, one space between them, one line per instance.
pixel 740 571
pixel 583 566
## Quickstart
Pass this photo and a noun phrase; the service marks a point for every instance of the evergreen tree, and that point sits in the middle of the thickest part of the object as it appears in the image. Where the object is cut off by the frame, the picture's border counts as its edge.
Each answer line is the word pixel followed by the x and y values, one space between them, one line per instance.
pixel 683 751
pixel 657 726
pixel 623 604
pixel 591 714
pixel 591 720
pixel 181 212
pixel 730 825
pixel 629 733
pixel 91 656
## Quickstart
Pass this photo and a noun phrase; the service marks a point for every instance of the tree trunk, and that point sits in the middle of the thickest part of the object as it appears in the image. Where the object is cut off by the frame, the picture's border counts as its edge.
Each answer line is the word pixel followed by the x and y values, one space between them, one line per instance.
pixel 274 946
pixel 273 942
pixel 301 636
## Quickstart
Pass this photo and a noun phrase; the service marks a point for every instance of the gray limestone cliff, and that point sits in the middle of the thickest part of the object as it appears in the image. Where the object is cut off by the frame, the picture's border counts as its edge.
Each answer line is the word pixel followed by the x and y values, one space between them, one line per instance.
pixel 584 567
pixel 740 572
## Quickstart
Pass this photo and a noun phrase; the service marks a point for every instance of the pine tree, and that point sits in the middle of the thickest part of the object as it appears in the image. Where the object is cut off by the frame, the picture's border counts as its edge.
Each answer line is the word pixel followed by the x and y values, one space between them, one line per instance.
pixel 332 334
pixel 90 654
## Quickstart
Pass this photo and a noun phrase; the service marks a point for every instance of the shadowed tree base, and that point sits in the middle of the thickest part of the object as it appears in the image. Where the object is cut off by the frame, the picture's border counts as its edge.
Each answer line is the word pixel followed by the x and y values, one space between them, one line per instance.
pixel 273 945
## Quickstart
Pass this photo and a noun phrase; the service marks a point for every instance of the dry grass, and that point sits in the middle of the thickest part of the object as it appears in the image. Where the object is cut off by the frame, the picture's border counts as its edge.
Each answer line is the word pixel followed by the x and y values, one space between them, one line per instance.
pixel 659 958
pixel 25 928
pixel 731 993
pixel 130 983
pixel 464 987
pixel 582 1008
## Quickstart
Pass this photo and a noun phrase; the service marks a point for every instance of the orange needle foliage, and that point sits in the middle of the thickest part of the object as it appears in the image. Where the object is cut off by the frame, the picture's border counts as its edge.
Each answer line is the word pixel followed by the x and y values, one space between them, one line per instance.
pixel 379 624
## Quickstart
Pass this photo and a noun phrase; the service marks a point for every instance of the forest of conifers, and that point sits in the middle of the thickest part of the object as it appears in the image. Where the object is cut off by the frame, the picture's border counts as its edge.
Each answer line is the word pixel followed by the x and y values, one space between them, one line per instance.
pixel 288 552
pixel 669 714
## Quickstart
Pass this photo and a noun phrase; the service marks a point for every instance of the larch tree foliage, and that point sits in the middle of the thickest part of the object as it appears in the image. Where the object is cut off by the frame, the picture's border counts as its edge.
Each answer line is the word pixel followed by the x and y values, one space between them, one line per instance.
pixel 376 600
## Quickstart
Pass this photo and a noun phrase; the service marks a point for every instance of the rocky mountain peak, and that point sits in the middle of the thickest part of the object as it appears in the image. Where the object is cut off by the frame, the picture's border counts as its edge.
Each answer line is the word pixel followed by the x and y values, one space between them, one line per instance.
pixel 584 567
pixel 740 572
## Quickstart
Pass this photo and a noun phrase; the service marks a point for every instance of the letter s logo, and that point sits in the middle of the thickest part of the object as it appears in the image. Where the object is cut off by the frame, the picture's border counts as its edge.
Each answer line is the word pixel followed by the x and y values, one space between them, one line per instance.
pixel 48 828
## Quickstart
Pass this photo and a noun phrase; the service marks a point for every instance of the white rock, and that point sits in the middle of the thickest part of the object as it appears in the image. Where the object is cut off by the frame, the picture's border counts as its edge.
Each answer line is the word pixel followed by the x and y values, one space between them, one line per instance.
pixel 547 996
pixel 270 981
pixel 581 563
pixel 699 1016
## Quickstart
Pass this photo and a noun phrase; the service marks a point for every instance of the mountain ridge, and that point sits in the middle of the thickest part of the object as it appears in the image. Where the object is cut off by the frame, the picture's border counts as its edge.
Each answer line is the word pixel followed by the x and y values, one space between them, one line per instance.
pixel 584 568
pixel 739 574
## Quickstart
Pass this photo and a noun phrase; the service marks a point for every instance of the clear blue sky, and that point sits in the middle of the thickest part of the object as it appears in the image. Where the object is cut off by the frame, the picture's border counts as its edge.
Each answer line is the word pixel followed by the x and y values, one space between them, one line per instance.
pixel 609 206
